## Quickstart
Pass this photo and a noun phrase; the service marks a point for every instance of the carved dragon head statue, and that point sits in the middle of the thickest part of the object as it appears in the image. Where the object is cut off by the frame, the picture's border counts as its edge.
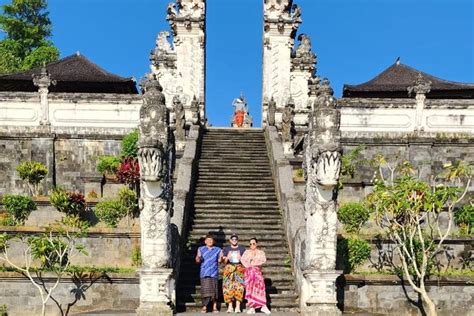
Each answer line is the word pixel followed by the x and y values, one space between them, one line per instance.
pixel 325 143
pixel 153 127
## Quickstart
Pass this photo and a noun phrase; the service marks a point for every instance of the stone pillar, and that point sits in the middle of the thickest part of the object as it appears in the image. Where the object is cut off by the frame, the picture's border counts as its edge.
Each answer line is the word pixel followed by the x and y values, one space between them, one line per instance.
pixel 188 23
pixel 281 21
pixel 322 164
pixel 43 81
pixel 180 66
pixel 420 87
pixel 303 66
pixel 156 283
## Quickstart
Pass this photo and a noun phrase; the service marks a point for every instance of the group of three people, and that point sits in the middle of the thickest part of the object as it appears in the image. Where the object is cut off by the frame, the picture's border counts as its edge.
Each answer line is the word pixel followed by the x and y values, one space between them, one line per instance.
pixel 242 272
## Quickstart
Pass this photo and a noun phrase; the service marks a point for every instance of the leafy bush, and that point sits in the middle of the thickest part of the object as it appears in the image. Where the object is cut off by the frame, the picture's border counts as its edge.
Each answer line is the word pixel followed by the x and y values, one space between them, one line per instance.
pixel 69 203
pixel 352 252
pixel 129 171
pixel 92 195
pixel 129 144
pixel 129 199
pixel 18 207
pixel 136 256
pixel 6 220
pixel 353 216
pixel 3 310
pixel 464 218
pixel 300 172
pixel 33 173
pixel 46 251
pixel 111 212
pixel 108 165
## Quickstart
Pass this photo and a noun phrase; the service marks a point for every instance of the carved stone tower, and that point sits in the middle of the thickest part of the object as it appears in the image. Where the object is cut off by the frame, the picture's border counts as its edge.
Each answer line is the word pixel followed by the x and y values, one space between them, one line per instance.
pixel 281 21
pixel 180 66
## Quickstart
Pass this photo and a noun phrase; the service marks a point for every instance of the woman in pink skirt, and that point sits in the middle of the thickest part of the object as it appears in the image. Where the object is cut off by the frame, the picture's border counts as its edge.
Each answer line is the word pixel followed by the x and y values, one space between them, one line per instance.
pixel 255 294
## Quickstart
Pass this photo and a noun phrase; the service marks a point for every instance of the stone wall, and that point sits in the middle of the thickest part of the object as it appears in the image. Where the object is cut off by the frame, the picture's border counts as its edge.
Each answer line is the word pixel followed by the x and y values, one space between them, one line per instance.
pixel 427 154
pixel 117 292
pixel 71 158
pixel 105 246
pixel 385 295
pixel 120 292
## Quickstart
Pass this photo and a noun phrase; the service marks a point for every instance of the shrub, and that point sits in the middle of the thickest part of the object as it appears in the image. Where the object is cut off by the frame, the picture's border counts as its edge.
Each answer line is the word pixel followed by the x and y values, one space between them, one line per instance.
pixel 353 216
pixel 136 256
pixel 129 171
pixel 352 252
pixel 92 195
pixel 464 218
pixel 18 207
pixel 69 203
pixel 129 144
pixel 300 172
pixel 108 165
pixel 129 199
pixel 3 310
pixel 6 220
pixel 33 173
pixel 111 212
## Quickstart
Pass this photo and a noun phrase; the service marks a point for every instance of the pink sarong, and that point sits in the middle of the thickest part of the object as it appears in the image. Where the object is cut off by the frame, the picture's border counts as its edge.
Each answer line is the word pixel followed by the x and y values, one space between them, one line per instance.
pixel 255 287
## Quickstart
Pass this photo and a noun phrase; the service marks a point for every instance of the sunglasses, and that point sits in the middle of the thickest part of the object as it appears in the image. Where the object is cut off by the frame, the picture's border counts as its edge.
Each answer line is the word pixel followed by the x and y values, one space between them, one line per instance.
pixel 233 238
pixel 253 243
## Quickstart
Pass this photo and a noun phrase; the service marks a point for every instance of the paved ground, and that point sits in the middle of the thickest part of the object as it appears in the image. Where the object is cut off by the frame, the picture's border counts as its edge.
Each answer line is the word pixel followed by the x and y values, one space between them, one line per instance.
pixel 130 313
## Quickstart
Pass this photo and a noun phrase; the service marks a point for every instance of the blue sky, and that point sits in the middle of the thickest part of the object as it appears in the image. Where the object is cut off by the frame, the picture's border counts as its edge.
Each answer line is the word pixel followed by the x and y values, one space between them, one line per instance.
pixel 354 40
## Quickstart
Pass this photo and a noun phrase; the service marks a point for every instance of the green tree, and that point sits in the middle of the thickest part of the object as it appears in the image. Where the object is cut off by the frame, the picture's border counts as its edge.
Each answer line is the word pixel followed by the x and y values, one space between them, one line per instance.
pixel 409 210
pixel 51 251
pixel 27 27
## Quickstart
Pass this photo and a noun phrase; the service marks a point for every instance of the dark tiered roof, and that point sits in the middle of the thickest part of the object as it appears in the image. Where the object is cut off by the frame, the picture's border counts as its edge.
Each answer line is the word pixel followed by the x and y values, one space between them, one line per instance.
pixel 394 81
pixel 74 73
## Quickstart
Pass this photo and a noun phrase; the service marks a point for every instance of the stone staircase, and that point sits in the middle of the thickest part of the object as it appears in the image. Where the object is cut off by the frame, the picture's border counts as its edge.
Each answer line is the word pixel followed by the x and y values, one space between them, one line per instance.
pixel 235 193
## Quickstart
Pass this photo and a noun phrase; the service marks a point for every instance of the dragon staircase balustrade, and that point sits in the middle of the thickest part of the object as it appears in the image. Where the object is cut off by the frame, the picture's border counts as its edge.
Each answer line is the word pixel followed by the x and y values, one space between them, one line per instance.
pixel 154 144
pixel 322 164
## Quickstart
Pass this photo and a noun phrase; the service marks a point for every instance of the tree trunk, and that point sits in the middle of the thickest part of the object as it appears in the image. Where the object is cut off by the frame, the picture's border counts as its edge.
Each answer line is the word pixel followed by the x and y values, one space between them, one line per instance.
pixel 429 303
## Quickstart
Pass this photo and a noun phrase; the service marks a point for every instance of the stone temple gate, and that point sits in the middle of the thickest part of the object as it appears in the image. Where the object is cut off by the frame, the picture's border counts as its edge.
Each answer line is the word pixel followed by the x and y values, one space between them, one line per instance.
pixel 297 104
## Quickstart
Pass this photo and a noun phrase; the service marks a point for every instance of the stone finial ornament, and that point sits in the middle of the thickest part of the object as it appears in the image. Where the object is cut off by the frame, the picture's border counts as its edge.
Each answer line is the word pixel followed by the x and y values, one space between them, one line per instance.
pixel 153 127
pixel 420 86
pixel 303 58
pixel 43 81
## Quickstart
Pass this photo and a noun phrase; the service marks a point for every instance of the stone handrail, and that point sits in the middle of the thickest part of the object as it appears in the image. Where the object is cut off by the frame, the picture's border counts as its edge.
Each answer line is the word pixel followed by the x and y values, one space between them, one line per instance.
pixel 291 202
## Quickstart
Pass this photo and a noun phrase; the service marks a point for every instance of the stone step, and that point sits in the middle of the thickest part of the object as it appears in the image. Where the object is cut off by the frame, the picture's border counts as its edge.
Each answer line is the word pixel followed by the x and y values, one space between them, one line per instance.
pixel 236 178
pixel 218 197
pixel 232 221
pixel 220 189
pixel 270 251
pixel 276 305
pixel 261 235
pixel 271 240
pixel 271 296
pixel 232 205
pixel 210 213
pixel 236 217
pixel 209 149
pixel 235 183
pixel 271 289
pixel 225 171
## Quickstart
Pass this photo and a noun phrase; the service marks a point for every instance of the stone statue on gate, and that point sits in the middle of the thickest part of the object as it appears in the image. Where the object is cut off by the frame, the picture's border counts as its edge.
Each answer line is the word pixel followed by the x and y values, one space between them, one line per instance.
pixel 179 119
pixel 241 117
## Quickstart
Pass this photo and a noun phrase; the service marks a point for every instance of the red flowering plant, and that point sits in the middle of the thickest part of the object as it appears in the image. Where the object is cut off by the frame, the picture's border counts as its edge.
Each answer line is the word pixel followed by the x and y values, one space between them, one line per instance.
pixel 129 171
